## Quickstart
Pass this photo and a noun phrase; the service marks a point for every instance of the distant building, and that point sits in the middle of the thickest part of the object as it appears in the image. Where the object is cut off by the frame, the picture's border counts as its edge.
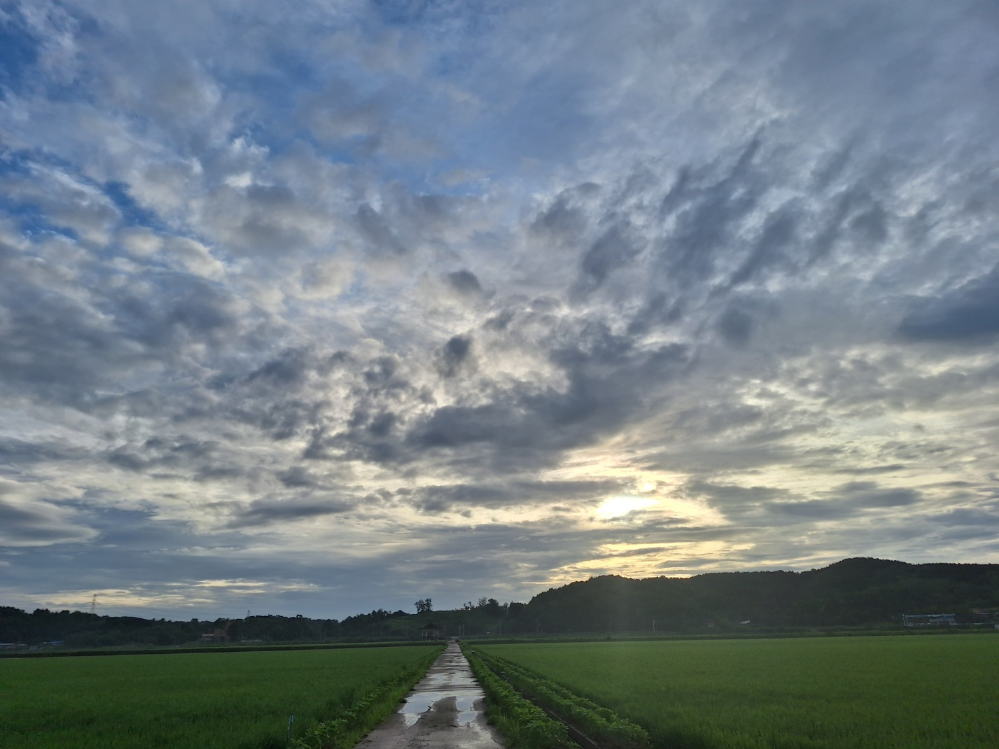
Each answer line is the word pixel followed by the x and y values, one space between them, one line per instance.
pixel 929 620
pixel 12 646
pixel 217 635
pixel 984 616
pixel 431 632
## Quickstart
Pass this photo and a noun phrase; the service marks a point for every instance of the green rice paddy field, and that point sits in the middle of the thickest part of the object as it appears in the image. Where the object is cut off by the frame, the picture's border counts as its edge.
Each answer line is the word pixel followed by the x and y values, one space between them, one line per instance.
pixel 903 692
pixel 203 700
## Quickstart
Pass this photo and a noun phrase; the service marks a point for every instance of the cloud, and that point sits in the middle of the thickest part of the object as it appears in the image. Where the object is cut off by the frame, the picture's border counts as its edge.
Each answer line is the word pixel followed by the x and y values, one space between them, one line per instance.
pixel 735 326
pixel 436 499
pixel 464 282
pixel 969 313
pixel 424 284
pixel 29 520
pixel 263 512
pixel 456 355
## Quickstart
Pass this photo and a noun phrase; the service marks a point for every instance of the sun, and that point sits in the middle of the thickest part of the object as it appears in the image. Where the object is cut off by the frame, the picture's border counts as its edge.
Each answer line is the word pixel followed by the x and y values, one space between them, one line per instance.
pixel 615 507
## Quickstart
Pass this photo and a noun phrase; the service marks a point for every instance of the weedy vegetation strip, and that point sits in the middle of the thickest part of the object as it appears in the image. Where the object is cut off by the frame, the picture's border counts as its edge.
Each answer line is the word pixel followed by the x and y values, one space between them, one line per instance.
pixel 603 726
pixel 822 693
pixel 523 724
pixel 350 725
pixel 208 701
pixel 114 651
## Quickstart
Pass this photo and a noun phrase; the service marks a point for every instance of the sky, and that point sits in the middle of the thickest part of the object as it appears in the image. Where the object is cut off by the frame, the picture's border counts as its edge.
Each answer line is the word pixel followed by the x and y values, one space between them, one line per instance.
pixel 318 307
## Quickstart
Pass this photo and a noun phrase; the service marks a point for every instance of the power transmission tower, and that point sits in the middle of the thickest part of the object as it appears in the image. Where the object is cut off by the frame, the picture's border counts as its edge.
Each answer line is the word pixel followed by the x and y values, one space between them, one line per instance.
pixel 93 605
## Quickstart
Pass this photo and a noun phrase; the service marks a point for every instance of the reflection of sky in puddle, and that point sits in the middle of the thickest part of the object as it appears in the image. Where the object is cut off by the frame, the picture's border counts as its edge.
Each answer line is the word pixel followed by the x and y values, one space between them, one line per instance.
pixel 449 679
pixel 418 703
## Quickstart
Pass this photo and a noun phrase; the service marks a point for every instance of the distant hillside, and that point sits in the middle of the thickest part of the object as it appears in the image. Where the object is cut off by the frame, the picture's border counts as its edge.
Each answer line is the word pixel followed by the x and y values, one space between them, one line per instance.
pixel 849 593
pixel 854 592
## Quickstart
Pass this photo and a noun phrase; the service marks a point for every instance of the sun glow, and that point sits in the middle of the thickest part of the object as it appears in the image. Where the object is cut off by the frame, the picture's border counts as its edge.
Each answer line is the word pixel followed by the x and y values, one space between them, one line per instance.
pixel 616 507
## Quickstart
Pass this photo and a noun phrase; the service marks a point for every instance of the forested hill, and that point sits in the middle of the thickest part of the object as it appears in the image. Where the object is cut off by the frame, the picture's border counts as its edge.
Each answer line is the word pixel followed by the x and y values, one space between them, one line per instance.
pixel 854 592
pixel 851 592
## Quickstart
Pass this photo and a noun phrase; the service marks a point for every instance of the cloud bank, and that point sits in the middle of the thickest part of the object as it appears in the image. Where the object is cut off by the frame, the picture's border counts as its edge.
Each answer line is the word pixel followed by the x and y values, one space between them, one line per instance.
pixel 350 303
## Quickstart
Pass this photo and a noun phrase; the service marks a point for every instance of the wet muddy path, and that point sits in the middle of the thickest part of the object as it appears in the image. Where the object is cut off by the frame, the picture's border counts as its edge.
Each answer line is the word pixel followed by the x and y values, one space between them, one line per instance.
pixel 444 711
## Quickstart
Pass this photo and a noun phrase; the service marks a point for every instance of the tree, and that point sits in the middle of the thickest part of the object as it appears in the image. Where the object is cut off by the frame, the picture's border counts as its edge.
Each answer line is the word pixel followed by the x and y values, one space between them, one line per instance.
pixel 424 606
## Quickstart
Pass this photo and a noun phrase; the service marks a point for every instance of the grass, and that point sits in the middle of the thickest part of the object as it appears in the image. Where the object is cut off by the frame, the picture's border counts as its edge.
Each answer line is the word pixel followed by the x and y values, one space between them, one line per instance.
pixel 823 693
pixel 209 701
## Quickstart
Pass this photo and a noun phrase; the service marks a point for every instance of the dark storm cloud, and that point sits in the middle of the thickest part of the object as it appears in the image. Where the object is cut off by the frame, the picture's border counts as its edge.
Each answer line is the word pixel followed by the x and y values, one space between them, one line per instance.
pixel 766 505
pixel 15 453
pixel 969 313
pixel 369 425
pixel 224 473
pixel 27 518
pixel 697 232
pixel 980 519
pixel 288 369
pixel 37 524
pixel 157 452
pixel 724 495
pixel 455 355
pixel 735 326
pixel 68 331
pixel 608 381
pixel 773 247
pixel 464 282
pixel 868 494
pixel 297 477
pixel 615 248
pixel 707 216
pixel 436 499
pixel 265 512
pixel 867 470
pixel 712 419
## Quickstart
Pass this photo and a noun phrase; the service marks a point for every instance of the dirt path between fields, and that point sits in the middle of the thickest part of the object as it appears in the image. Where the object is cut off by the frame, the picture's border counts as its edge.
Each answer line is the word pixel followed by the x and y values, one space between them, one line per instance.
pixel 444 711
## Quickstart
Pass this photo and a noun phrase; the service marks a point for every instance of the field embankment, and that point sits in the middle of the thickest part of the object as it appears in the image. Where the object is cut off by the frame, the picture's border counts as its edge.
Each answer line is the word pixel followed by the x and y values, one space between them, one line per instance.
pixel 209 701
pixel 861 693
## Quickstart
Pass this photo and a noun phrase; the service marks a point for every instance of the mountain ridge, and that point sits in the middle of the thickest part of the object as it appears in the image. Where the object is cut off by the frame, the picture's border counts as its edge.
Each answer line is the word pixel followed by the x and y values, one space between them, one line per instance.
pixel 852 592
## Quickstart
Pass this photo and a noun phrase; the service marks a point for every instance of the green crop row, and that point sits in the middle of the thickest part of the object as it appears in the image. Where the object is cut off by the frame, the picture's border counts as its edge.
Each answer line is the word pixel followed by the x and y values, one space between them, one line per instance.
pixel 350 725
pixel 603 726
pixel 523 724
pixel 823 693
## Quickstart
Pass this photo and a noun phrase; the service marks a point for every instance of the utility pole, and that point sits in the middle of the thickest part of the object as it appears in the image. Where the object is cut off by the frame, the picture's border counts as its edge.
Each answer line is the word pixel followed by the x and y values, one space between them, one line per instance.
pixel 653 626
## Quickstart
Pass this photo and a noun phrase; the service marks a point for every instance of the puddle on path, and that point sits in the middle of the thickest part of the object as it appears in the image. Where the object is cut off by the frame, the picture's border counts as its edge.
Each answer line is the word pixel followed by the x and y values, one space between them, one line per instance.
pixel 444 711
pixel 420 702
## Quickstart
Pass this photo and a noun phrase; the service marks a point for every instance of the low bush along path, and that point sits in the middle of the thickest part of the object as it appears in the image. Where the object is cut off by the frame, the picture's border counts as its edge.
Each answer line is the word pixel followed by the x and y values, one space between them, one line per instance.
pixel 444 711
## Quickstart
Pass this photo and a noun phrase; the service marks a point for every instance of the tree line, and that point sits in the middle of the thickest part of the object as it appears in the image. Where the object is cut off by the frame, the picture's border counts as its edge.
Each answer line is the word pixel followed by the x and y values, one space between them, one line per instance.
pixel 851 593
